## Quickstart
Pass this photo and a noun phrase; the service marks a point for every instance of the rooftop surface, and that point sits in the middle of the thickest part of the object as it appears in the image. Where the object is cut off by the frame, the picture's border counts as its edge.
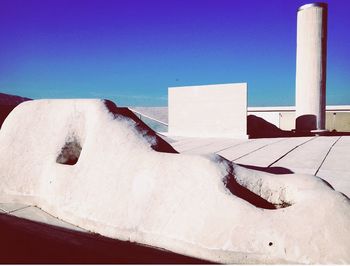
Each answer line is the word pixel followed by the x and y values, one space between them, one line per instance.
pixel 325 156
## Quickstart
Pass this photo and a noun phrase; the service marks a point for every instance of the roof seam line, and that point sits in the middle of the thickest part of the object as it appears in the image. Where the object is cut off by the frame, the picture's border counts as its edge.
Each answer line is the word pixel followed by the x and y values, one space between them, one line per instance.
pixel 257 150
pixel 325 157
pixel 284 155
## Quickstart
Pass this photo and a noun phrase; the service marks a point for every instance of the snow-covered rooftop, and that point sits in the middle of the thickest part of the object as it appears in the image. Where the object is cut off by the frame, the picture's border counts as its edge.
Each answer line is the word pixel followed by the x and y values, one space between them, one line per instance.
pixel 98 167
pixel 325 156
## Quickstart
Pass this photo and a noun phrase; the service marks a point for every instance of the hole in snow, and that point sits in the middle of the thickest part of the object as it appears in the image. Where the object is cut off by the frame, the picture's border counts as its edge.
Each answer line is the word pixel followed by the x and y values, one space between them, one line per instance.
pixel 70 153
pixel 270 244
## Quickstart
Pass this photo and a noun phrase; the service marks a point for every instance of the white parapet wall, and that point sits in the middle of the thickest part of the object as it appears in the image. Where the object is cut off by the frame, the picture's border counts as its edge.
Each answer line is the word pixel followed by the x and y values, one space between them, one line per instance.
pixel 337 116
pixel 218 110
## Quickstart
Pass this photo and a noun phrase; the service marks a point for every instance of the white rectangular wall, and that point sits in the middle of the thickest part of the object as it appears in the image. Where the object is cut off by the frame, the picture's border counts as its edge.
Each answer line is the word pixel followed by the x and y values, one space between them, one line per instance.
pixel 208 111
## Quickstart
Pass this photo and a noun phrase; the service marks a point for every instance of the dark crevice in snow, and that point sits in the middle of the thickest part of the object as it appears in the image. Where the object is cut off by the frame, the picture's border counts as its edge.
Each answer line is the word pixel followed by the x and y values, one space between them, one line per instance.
pixel 70 153
pixel 244 193
pixel 239 191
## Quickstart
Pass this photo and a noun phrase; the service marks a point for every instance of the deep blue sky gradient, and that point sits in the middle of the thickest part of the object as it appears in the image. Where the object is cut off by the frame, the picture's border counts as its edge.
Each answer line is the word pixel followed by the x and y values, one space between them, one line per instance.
pixel 131 51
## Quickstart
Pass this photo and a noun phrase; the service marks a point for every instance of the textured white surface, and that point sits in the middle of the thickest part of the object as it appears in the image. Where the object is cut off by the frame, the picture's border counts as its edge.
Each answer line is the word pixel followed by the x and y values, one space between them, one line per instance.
pixel 208 111
pixel 123 189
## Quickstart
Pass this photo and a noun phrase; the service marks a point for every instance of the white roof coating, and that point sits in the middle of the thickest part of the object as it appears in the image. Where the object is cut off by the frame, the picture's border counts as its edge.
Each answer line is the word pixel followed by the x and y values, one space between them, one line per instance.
pixel 122 187
pixel 325 156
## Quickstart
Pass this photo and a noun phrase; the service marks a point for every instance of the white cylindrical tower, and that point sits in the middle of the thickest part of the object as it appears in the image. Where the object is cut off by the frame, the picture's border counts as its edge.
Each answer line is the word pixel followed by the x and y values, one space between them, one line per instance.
pixel 311 62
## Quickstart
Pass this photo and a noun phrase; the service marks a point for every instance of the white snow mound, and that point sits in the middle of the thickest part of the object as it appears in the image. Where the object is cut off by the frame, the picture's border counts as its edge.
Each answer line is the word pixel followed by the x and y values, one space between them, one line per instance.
pixel 93 165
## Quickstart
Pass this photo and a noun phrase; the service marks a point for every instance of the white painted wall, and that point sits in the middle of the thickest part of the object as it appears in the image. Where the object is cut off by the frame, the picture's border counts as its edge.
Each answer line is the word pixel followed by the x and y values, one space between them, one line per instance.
pixel 208 111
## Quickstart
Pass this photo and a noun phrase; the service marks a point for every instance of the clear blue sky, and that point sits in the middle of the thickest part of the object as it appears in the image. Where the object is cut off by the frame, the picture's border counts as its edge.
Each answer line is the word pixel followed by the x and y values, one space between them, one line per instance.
pixel 130 51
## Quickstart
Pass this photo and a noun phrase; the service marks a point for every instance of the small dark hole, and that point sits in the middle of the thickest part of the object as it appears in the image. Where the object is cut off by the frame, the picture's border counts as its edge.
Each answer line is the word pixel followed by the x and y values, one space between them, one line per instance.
pixel 70 153
pixel 270 244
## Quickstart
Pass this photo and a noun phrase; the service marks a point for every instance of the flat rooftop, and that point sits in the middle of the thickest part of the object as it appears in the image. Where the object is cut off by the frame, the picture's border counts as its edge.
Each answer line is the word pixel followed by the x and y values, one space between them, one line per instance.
pixel 325 156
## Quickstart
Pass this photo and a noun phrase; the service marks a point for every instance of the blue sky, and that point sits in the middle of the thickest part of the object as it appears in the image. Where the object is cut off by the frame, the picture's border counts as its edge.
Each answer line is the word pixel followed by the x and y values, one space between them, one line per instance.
pixel 131 51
